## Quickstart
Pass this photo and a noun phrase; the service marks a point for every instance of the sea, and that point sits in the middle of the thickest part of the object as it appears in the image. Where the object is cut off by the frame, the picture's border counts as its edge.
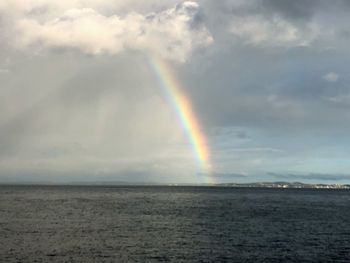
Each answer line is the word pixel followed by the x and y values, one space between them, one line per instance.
pixel 173 224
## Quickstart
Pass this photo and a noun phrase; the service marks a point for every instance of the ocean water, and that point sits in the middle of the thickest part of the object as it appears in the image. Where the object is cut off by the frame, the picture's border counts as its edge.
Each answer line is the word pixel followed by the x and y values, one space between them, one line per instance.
pixel 173 224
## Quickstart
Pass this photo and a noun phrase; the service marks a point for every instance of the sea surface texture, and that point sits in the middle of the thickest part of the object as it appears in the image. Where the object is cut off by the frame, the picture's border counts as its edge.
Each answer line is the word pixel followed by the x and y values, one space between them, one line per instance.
pixel 173 224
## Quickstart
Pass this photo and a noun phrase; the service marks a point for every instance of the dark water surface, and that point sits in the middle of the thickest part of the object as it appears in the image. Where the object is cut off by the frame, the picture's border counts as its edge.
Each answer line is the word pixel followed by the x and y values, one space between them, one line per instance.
pixel 175 224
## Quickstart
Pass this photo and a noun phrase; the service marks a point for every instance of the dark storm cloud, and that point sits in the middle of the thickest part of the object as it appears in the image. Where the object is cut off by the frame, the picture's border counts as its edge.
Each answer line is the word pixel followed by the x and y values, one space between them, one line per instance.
pixel 311 176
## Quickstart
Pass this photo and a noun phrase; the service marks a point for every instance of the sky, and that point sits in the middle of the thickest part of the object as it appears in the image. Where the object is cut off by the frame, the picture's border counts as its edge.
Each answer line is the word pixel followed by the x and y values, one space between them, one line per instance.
pixel 81 99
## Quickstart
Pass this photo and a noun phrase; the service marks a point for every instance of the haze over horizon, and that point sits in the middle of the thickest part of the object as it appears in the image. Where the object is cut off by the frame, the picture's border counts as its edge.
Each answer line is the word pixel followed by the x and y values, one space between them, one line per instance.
pixel 267 81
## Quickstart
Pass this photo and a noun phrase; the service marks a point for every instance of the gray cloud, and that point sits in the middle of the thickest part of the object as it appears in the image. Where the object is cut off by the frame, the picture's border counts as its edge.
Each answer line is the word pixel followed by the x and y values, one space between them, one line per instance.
pixel 331 77
pixel 298 9
pixel 266 102
pixel 227 175
pixel 312 176
pixel 4 71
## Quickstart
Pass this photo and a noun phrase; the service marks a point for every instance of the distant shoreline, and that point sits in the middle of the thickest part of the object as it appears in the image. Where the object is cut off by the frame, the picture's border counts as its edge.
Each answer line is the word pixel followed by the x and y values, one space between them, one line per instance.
pixel 269 185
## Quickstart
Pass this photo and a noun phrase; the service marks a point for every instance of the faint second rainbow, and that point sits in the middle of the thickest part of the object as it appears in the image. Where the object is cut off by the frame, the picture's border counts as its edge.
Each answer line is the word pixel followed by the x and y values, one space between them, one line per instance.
pixel 168 81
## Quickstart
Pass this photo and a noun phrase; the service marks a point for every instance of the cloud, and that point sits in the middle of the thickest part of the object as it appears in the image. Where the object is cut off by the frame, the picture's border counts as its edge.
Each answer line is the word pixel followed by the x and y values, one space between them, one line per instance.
pixel 173 33
pixel 275 31
pixel 331 77
pixel 242 135
pixel 4 71
pixel 312 176
pixel 296 9
pixel 71 114
pixel 260 82
pixel 343 100
pixel 223 176
pixel 228 175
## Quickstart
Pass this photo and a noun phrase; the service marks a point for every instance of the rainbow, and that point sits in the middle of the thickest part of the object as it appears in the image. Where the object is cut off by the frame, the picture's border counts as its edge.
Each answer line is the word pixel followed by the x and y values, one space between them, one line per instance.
pixel 182 106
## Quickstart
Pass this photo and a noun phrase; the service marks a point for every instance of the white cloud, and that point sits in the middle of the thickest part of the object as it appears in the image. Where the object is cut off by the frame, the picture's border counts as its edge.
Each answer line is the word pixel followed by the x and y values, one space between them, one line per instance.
pixel 48 8
pixel 172 33
pixel 275 31
pixel 331 77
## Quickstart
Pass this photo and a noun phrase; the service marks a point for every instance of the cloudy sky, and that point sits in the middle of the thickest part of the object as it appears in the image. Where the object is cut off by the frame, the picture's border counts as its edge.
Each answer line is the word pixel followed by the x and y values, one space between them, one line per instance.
pixel 268 81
